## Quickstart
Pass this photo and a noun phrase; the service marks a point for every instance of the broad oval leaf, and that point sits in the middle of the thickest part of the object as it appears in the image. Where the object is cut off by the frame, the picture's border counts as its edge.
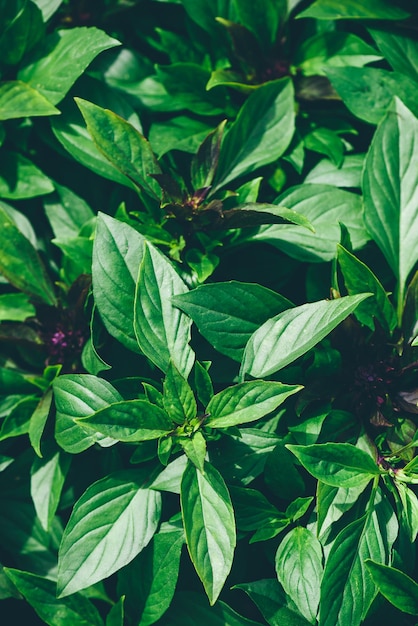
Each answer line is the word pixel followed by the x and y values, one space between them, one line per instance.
pixel 246 402
pixel 129 420
pixel 162 331
pixel 80 395
pixel 117 252
pixel 337 464
pixel 261 133
pixel 111 523
pixel 299 570
pixel 289 335
pixel 40 593
pixel 390 188
pixel 353 9
pixel 396 586
pixel 325 207
pixel 227 314
pixel 209 525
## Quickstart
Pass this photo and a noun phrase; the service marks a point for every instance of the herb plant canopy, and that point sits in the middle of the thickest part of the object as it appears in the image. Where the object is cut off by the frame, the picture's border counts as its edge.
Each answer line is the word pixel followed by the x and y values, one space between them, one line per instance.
pixel 209 312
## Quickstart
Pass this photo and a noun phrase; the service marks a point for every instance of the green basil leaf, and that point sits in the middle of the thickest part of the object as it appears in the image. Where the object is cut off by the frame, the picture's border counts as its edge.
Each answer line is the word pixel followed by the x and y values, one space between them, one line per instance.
pixel 299 570
pixel 337 464
pixel 67 53
pixel 353 9
pixel 389 188
pixel 15 307
pixel 162 331
pixel 178 399
pixel 289 335
pixel 20 178
pixel 18 99
pixel 209 526
pixel 324 207
pixel 47 480
pixel 227 314
pixel 117 254
pixel 40 593
pixel 246 402
pixel 100 537
pixel 261 133
pixel 195 449
pixel 400 50
pixel 395 586
pixel 123 145
pixel 129 420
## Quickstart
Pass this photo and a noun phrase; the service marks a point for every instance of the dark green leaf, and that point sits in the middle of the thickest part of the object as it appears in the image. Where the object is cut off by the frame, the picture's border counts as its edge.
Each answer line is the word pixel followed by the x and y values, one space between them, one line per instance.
pixel 178 399
pixel 47 480
pixel 246 402
pixel 273 603
pixel 15 307
pixel 262 18
pixel 209 526
pixel 400 50
pixel 38 421
pixel 40 593
pixel 261 133
pixel 357 278
pixel 181 133
pixel 205 162
pixel 20 178
pixel 100 536
pixel 289 335
pixel 122 145
pixel 67 53
pixel 227 314
pixel 396 586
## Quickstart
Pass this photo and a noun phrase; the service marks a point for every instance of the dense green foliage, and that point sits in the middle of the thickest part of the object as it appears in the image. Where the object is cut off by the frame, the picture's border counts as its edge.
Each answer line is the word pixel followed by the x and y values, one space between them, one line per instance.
pixel 208 312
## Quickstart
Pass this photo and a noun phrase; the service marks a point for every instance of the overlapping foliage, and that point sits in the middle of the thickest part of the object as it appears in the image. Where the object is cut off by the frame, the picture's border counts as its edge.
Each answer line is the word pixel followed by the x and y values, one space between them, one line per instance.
pixel 208 312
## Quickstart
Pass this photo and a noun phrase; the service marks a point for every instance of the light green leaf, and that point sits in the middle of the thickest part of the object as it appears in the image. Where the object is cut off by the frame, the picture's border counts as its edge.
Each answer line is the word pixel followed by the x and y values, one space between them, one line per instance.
pixel 261 133
pixel 40 593
pixel 347 589
pixel 48 7
pixel 289 335
pixel 117 254
pixel 38 421
pixel 170 478
pixel 227 314
pixel 390 188
pixel 357 278
pixel 66 55
pixel 162 331
pixel 246 402
pixel 123 145
pixel 353 9
pixel 129 420
pixel 47 480
pixel 80 395
pixel 110 524
pixel 395 586
pixel 348 175
pixel 337 464
pixel 21 265
pixel 178 399
pixel 325 207
pixel 332 503
pixel 17 99
pixel 115 617
pixel 209 525
pixel 68 215
pixel 299 570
